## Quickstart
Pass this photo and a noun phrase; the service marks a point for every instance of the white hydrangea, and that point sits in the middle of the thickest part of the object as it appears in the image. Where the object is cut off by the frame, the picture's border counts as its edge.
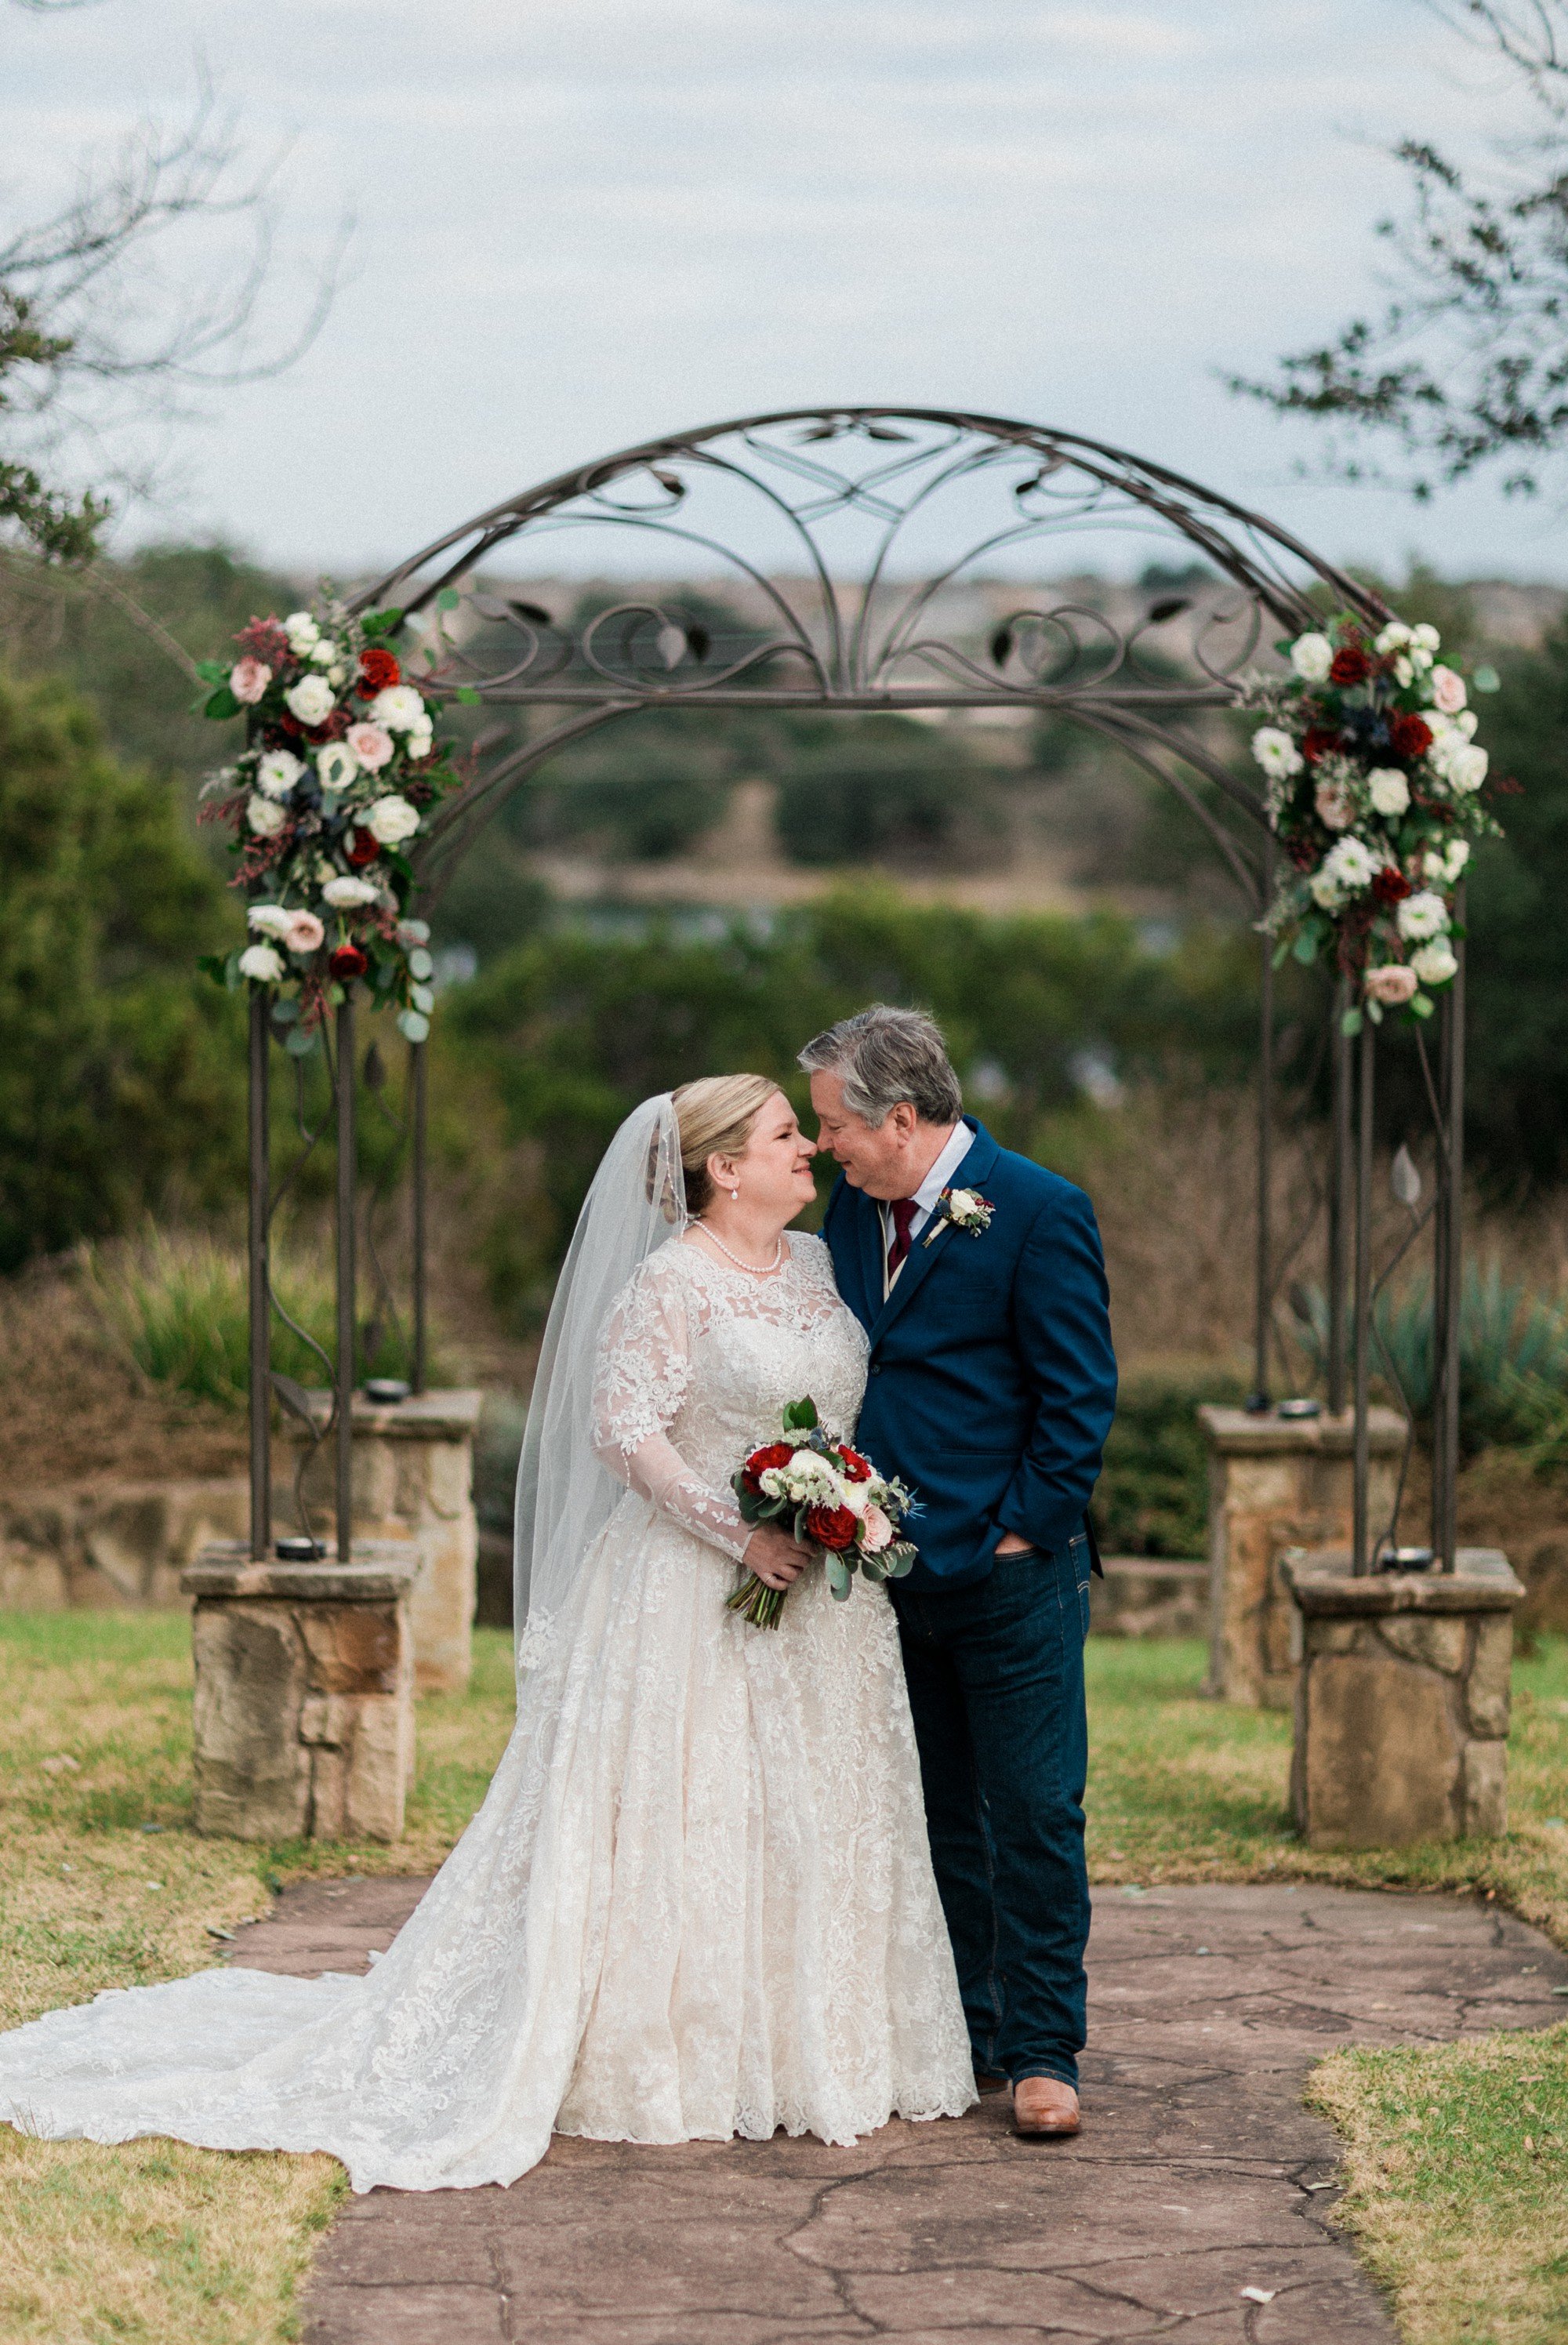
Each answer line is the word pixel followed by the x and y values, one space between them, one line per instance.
pixel 1388 791
pixel 277 773
pixel 1392 638
pixel 325 653
pixel 1275 752
pixel 1436 962
pixel 1312 656
pixel 1422 915
pixel 1425 638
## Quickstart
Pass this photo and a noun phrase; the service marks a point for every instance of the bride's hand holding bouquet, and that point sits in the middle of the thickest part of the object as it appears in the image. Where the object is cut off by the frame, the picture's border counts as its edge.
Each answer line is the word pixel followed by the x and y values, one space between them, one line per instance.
pixel 808 1493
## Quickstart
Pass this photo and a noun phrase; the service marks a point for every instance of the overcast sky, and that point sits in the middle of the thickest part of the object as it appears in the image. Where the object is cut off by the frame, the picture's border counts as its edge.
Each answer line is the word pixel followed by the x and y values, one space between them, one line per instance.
pixel 583 221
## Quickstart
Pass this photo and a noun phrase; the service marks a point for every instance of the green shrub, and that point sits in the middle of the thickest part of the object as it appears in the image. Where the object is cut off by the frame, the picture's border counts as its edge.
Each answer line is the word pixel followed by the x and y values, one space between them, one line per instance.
pixel 1153 1495
pixel 180 1305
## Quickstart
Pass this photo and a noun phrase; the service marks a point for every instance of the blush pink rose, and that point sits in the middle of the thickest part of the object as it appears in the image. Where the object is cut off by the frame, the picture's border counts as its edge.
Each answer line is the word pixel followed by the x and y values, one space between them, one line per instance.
pixel 304 933
pixel 1336 806
pixel 1447 691
pixel 371 744
pixel 1391 984
pixel 248 679
pixel 876 1530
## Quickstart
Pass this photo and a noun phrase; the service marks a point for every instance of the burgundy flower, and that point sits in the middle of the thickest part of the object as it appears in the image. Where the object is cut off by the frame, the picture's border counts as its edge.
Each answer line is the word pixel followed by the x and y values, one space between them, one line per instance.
pixel 831 1527
pixel 379 671
pixel 1350 665
pixel 347 962
pixel 1389 885
pixel 1318 740
pixel 775 1453
pixel 1409 735
pixel 362 849
pixel 856 1468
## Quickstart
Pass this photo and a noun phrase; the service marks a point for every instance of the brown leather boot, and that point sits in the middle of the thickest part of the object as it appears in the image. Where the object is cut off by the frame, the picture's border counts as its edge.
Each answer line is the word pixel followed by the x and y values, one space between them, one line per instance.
pixel 1044 2107
pixel 986 2081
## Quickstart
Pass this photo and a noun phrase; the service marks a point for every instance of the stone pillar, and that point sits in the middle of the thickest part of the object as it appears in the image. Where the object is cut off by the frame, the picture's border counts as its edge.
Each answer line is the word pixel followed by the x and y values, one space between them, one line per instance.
pixel 1278 1483
pixel 1401 1699
pixel 413 1479
pixel 304 1711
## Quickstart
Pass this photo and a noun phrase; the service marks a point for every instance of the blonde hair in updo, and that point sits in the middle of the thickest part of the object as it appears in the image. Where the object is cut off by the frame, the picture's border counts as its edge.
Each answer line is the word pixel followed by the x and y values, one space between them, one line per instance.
pixel 716 1115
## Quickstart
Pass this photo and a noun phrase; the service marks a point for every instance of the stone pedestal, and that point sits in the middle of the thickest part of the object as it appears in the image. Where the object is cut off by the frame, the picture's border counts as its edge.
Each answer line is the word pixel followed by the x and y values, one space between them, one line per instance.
pixel 413 1479
pixel 304 1712
pixel 1274 1484
pixel 1401 1701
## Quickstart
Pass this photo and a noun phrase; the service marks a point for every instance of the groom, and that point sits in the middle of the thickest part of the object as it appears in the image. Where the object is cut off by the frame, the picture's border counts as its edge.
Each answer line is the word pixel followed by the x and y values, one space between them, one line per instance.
pixel 979 1279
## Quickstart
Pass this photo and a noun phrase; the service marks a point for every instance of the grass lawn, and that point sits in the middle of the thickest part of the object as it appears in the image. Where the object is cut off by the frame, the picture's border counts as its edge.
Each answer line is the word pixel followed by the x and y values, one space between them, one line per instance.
pixel 102 1884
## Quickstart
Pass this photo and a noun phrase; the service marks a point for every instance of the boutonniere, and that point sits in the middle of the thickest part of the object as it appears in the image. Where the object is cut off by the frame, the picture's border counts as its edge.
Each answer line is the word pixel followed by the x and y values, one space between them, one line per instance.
pixel 964 1208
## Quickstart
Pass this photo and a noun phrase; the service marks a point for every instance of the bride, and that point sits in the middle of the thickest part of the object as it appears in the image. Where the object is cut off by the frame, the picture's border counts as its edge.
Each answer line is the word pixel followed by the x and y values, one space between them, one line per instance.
pixel 698 1899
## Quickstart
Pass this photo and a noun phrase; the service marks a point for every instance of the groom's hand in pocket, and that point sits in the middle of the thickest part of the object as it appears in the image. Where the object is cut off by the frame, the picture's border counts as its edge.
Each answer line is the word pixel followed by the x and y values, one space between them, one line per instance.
pixel 1011 1544
pixel 773 1556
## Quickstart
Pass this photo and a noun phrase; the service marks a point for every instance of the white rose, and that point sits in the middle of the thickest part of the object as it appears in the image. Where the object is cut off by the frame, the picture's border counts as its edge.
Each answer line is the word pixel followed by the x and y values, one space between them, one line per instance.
pixel 1435 963
pixel 301 631
pixel 278 772
pixel 262 962
pixel 1389 790
pixel 1422 915
pixel 1456 854
pixel 1467 767
pixel 962 1201
pixel 1425 638
pixel 400 708
pixel 337 765
pixel 265 815
pixel 344 892
pixel 324 652
pixel 269 919
pixel 1419 660
pixel 414 1027
pixel 1466 722
pixel 418 744
pixel 310 699
pixel 1312 656
pixel 391 820
pixel 1276 752
pixel 1404 674
pixel 1326 891
pixel 1395 634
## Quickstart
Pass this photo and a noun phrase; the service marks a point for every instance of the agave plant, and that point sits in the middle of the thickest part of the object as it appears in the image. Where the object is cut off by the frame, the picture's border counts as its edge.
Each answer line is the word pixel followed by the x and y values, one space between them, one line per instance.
pixel 1512 1351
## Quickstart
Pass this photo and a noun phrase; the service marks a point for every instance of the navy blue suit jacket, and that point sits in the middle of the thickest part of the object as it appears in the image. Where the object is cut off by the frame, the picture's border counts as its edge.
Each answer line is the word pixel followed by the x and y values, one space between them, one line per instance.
pixel 993 1382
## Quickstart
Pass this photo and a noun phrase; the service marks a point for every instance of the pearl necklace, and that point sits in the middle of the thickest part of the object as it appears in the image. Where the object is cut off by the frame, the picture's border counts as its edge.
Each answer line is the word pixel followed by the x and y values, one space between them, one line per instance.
pixel 766 1270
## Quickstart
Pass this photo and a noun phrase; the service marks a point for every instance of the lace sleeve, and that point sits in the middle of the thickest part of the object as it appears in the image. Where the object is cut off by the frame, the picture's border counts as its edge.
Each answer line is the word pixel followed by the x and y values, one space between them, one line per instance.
pixel 645 1371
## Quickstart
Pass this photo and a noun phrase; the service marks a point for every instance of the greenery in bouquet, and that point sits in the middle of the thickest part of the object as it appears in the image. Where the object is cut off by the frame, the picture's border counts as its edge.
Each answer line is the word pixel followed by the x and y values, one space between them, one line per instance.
pixel 1377 791
pixel 830 1498
pixel 339 771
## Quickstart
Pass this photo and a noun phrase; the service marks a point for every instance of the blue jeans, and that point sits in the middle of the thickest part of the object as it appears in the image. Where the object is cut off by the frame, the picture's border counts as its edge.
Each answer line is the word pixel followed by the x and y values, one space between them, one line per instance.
pixel 995 1673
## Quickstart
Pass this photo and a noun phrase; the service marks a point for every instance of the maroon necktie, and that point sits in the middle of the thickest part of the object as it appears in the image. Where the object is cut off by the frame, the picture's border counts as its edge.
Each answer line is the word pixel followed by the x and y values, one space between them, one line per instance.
pixel 903 1212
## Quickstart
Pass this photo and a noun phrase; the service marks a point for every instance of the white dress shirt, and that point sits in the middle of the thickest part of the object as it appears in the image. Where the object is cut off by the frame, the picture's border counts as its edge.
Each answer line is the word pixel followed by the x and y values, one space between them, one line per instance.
pixel 953 1149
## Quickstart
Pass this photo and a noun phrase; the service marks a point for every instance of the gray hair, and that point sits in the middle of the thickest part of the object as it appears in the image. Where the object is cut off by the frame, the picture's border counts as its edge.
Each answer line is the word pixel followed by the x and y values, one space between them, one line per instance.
pixel 884 1055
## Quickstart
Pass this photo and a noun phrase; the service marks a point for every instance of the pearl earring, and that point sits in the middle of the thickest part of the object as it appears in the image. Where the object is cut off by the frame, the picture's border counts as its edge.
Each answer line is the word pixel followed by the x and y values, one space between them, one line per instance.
pixel 734 1192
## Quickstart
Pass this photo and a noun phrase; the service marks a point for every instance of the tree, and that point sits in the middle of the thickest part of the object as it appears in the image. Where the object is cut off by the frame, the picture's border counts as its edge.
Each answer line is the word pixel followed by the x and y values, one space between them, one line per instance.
pixel 1467 367
pixel 121 1074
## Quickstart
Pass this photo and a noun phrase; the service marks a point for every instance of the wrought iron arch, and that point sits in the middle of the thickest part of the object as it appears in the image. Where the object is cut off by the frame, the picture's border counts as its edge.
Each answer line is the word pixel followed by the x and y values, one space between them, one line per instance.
pixel 864 552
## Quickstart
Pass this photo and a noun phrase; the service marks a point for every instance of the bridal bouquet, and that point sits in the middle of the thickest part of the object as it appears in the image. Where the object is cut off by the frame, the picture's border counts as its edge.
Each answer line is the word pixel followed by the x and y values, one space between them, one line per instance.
pixel 831 1498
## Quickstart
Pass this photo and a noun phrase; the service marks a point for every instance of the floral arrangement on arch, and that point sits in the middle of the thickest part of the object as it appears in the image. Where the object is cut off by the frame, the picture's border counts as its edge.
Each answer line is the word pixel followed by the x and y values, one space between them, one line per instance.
pixel 339 769
pixel 1377 792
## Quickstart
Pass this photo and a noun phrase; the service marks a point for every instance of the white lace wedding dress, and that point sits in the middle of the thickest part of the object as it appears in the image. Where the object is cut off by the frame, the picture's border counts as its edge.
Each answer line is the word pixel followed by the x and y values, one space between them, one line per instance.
pixel 698 1898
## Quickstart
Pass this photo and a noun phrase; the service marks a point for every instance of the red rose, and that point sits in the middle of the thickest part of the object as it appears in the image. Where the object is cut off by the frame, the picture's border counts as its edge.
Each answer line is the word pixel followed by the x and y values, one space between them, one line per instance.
pixel 1318 740
pixel 1409 735
pixel 1389 885
pixel 856 1468
pixel 348 962
pixel 831 1527
pixel 1350 665
pixel 362 849
pixel 379 671
pixel 775 1453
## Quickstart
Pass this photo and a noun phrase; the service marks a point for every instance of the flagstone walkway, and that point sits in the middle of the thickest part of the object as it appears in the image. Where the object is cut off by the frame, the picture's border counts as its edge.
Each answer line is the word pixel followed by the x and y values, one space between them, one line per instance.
pixel 1198 2175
